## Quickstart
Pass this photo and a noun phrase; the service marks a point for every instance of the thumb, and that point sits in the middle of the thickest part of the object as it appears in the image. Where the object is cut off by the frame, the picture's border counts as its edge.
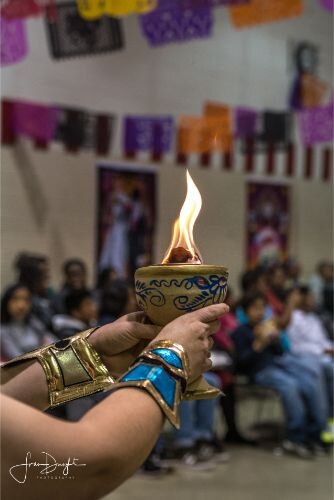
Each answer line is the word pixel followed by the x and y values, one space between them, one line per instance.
pixel 210 313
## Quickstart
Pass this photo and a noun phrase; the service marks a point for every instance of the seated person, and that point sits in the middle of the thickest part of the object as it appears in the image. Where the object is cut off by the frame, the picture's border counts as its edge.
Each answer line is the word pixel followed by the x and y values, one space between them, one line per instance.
pixel 308 338
pixel 113 301
pixel 33 271
pixel 20 331
pixel 258 354
pixel 306 331
pixel 81 313
pixel 75 279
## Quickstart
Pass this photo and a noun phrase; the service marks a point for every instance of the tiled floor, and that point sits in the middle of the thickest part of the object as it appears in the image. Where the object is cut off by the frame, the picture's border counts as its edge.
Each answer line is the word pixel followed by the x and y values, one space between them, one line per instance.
pixel 251 474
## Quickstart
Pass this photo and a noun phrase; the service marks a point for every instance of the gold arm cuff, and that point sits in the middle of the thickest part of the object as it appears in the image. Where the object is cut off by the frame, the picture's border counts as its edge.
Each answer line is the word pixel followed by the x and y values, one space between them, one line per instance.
pixel 72 367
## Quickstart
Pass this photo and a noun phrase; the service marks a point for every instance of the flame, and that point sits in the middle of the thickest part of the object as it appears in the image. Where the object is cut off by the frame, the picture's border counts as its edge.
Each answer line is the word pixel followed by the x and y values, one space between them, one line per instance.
pixel 183 227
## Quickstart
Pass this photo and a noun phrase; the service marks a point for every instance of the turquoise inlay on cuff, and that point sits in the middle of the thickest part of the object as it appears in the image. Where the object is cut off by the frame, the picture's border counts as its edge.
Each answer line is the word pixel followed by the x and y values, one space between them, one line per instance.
pixel 139 372
pixel 158 376
pixel 169 356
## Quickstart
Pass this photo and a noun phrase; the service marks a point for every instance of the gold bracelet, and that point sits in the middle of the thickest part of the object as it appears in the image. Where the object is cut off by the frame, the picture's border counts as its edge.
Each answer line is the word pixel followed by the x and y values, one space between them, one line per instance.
pixel 72 367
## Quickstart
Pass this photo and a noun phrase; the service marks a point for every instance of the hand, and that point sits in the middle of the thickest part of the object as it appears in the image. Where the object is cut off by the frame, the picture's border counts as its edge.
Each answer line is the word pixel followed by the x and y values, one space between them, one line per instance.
pixel 265 334
pixel 193 331
pixel 119 343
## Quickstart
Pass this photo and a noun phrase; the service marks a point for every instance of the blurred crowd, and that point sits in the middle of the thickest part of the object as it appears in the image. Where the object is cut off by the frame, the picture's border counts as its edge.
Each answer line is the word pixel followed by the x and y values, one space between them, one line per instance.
pixel 278 335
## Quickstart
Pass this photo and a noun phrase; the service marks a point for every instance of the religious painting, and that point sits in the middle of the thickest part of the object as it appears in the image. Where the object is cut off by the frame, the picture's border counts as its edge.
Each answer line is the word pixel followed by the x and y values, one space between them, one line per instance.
pixel 267 222
pixel 126 208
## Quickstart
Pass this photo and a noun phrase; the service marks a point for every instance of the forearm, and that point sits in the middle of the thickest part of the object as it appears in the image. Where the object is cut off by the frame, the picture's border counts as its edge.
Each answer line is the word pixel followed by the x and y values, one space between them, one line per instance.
pixel 123 430
pixel 112 440
pixel 26 382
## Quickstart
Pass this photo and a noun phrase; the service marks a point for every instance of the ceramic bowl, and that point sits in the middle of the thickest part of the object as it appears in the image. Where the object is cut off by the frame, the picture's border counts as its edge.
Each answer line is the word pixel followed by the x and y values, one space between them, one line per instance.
pixel 165 292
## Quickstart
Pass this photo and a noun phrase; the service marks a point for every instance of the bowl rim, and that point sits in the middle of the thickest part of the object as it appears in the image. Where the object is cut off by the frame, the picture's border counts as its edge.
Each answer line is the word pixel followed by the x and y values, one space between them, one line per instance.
pixel 183 269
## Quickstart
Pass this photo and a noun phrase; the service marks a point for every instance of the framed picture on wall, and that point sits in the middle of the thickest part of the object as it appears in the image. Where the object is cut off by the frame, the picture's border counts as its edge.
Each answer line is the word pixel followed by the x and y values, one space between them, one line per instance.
pixel 126 214
pixel 267 223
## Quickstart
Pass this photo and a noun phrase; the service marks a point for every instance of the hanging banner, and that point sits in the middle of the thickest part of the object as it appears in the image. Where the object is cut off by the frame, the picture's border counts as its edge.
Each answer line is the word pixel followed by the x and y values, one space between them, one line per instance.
pixel 78 129
pixel 267 224
pixel 276 127
pixel 245 123
pixel 75 128
pixel 223 142
pixel 327 4
pixel 16 9
pixel 316 124
pixel 70 35
pixel 19 9
pixel 264 11
pixel 197 4
pixel 147 133
pixel 125 218
pixel 168 25
pixel 202 134
pixel 93 9
pixel 13 41
pixel 34 120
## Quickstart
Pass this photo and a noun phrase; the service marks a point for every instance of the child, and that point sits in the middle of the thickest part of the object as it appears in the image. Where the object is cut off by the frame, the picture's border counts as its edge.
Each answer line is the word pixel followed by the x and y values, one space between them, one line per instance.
pixel 308 339
pixel 81 314
pixel 21 332
pixel 259 355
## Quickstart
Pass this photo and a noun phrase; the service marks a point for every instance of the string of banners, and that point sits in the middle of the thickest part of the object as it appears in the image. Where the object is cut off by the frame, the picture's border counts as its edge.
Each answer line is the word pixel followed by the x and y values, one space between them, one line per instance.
pixel 90 27
pixel 241 138
pixel 76 129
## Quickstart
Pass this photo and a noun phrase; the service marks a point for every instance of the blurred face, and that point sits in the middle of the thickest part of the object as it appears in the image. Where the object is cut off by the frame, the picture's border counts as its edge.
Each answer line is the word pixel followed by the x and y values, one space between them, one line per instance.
pixel 19 305
pixel 255 312
pixel 294 271
pixel 87 311
pixel 76 277
pixel 278 278
pixel 43 279
pixel 261 284
pixel 307 302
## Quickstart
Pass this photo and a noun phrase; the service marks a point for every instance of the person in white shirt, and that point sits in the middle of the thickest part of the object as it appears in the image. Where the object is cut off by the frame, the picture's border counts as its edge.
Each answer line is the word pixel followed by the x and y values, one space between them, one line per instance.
pixel 308 338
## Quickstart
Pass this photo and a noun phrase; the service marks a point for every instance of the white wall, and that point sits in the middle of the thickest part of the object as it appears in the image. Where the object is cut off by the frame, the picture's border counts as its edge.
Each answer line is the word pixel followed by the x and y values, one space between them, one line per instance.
pixel 48 199
pixel 248 66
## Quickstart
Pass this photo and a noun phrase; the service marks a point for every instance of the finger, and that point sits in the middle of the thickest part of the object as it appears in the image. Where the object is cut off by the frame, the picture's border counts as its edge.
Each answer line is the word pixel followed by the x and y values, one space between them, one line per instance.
pixel 143 331
pixel 214 326
pixel 211 342
pixel 138 316
pixel 210 313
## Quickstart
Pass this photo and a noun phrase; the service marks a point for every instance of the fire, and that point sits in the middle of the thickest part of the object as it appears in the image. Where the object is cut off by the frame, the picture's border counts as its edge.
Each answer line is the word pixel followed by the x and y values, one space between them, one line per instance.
pixel 182 247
